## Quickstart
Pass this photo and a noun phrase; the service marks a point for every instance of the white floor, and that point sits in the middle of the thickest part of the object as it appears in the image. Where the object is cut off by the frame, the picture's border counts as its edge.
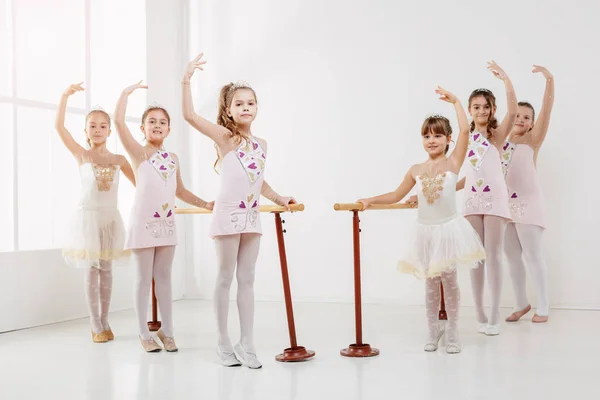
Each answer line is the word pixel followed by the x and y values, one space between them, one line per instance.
pixel 558 360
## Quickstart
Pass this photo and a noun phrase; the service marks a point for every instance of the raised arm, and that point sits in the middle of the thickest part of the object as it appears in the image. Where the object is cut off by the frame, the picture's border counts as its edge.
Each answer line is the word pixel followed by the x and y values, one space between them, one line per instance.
pixel 127 170
pixel 219 134
pixel 66 137
pixel 185 195
pixel 392 197
pixel 460 151
pixel 538 133
pixel 512 108
pixel 133 148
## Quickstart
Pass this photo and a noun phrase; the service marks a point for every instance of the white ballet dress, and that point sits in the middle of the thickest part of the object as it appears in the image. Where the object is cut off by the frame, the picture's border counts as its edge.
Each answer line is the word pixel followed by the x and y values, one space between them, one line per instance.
pixel 442 239
pixel 96 232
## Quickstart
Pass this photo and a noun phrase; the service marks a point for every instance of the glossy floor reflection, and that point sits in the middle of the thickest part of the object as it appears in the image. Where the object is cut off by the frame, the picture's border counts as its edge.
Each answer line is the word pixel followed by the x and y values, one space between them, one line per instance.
pixel 557 360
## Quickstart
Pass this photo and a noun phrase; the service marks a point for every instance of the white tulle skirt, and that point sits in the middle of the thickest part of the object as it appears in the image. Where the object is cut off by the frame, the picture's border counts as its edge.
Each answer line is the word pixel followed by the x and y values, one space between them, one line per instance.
pixel 436 248
pixel 94 236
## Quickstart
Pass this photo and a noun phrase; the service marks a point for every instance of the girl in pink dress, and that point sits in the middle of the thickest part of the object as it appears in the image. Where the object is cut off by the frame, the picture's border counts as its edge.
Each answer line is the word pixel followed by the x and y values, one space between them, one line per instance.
pixel 443 240
pixel 486 199
pixel 152 235
pixel 235 226
pixel 524 235
pixel 96 233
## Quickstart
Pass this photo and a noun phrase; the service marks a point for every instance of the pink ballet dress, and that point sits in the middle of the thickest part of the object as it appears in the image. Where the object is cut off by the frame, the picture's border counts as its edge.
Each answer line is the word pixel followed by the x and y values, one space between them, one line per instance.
pixel 152 221
pixel 442 240
pixel 485 187
pixel 525 198
pixel 242 175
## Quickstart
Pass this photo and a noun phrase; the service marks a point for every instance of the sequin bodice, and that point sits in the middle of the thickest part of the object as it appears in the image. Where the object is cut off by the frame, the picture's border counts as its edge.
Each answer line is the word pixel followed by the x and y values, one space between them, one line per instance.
pixel 99 186
pixel 437 197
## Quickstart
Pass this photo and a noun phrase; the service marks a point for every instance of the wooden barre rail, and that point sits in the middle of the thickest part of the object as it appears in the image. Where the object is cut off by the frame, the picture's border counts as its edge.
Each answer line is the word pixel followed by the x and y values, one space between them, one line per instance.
pixel 267 208
pixel 359 206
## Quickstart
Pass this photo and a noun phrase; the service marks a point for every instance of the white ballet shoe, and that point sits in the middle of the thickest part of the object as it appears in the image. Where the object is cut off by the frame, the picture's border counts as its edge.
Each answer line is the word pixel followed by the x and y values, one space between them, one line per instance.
pixel 248 359
pixel 227 356
pixel 492 330
pixel 433 345
pixel 482 327
pixel 453 348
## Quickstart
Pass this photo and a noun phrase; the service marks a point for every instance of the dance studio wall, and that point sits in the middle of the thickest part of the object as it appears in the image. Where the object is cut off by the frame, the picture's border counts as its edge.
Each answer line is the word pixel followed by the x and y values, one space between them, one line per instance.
pixel 343 88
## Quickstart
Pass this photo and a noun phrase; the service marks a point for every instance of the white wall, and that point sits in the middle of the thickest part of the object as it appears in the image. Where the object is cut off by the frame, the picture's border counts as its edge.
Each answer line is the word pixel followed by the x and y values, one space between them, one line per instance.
pixel 343 88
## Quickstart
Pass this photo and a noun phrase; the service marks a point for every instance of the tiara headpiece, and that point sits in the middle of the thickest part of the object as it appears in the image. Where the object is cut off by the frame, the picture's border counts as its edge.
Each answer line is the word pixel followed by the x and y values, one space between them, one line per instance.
pixel 239 85
pixel 435 116
pixel 482 90
pixel 154 105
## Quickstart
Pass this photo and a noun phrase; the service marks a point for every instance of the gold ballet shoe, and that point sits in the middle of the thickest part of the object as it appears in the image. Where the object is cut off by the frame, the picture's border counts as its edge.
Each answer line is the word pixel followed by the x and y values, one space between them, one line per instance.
pixel 168 342
pixel 99 337
pixel 109 334
pixel 514 317
pixel 539 319
pixel 150 345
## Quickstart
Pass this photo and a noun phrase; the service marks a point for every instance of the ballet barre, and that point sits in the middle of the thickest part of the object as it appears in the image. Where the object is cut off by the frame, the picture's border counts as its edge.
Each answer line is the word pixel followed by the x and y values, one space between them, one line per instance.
pixel 360 349
pixel 294 352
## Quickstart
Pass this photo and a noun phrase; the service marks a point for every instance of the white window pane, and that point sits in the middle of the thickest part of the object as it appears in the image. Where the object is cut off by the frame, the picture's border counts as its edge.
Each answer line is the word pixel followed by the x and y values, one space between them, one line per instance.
pixel 6 179
pixel 50 48
pixel 5 47
pixel 64 175
pixel 35 179
pixel 118 50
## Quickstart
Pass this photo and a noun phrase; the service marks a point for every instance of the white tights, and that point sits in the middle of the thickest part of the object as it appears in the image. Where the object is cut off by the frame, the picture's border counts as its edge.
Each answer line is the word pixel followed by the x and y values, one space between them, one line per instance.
pixel 240 249
pixel 98 289
pixel 523 245
pixel 490 229
pixel 432 304
pixel 154 262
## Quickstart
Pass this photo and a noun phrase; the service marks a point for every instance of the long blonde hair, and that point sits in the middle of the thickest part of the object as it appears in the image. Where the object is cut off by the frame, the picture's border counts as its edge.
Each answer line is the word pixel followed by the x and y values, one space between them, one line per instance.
pixel 223 119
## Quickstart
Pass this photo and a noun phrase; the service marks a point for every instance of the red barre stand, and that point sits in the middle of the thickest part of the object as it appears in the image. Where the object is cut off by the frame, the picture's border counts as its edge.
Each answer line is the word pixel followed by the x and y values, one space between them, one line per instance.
pixel 358 349
pixel 155 324
pixel 294 353
pixel 442 316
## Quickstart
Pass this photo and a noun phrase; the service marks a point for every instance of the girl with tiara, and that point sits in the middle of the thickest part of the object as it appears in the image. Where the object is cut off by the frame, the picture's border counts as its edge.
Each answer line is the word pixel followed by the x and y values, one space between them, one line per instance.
pixel 235 226
pixel 524 235
pixel 152 236
pixel 96 234
pixel 486 199
pixel 443 239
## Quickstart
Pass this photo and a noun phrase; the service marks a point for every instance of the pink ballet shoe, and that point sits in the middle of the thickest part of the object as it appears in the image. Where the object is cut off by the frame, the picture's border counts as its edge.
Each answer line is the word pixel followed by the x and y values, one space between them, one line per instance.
pixel 514 317
pixel 538 319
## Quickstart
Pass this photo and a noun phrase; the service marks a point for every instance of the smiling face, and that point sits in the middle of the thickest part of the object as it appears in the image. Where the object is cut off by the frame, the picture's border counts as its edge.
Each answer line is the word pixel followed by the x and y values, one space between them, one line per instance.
pixel 524 122
pixel 156 125
pixel 97 128
pixel 242 108
pixel 482 108
pixel 436 133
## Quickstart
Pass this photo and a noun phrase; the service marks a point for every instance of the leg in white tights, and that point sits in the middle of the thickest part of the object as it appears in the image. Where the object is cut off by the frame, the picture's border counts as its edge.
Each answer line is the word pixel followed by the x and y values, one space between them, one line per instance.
pixel 478 274
pixel 105 283
pixel 246 267
pixel 452 301
pixel 514 255
pixel 530 237
pixel 494 230
pixel 432 306
pixel 227 253
pixel 154 262
pixel 92 296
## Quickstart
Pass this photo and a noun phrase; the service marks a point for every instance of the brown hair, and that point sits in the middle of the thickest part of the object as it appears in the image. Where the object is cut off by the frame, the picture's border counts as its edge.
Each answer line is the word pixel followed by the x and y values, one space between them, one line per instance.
pixel 223 119
pixel 101 112
pixel 153 108
pixel 491 102
pixel 437 124
pixel 528 105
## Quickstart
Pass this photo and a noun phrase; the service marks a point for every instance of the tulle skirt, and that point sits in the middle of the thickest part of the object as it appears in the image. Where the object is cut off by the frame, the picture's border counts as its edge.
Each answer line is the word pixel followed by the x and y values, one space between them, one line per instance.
pixel 95 236
pixel 436 248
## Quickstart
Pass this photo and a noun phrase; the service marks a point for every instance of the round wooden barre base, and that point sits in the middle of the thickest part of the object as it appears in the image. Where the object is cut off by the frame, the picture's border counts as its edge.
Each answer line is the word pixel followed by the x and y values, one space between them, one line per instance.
pixel 363 350
pixel 154 326
pixel 295 355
